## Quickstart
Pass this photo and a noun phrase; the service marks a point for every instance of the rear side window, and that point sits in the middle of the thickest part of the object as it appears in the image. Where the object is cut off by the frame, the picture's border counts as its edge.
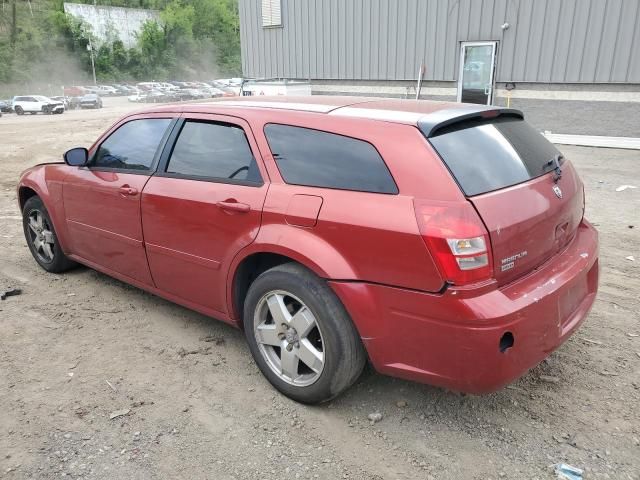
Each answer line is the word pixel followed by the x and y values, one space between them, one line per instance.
pixel 321 159
pixel 214 151
pixel 133 146
pixel 490 155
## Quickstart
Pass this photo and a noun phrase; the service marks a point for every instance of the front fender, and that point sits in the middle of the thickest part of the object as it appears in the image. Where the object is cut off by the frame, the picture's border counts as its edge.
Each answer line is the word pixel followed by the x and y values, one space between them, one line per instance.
pixel 46 181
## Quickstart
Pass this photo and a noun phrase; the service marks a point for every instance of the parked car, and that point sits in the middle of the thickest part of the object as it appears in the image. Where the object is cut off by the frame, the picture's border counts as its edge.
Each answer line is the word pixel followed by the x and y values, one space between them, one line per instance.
pixel 74 91
pixel 122 89
pixel 137 97
pixel 36 104
pixel 63 100
pixel 226 91
pixel 5 106
pixel 92 89
pixel 168 87
pixel 148 86
pixel 194 93
pixel 184 94
pixel 444 242
pixel 90 100
pixel 107 91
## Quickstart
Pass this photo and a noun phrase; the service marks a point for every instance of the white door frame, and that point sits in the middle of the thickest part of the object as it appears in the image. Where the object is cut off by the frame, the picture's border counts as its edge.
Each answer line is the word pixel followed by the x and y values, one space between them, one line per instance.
pixel 492 79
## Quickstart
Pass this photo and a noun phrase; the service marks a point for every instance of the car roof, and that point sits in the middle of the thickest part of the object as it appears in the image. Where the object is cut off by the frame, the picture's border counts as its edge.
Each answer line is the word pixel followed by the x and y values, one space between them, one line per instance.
pixel 427 113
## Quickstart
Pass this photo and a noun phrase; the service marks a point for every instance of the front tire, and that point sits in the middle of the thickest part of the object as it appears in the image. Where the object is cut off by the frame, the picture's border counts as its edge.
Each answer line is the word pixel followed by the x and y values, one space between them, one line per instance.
pixel 300 335
pixel 41 237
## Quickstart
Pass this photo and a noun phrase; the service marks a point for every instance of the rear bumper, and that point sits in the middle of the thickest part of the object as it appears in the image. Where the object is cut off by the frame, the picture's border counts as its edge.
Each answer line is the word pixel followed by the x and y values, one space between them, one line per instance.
pixel 453 339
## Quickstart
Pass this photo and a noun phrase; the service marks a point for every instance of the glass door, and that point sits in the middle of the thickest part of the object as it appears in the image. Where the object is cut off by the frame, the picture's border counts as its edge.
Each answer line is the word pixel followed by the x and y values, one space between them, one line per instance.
pixel 477 64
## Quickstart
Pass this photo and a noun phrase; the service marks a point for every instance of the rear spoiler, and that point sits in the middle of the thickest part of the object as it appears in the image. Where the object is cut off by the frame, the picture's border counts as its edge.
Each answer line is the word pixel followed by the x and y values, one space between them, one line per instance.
pixel 430 124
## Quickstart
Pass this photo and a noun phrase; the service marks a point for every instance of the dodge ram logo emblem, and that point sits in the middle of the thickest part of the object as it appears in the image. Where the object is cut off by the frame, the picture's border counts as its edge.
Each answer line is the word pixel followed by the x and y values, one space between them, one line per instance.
pixel 557 191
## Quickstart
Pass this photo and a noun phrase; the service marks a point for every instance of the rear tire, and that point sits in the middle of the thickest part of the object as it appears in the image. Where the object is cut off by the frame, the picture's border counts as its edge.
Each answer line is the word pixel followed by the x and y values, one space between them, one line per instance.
pixel 19 110
pixel 41 237
pixel 300 335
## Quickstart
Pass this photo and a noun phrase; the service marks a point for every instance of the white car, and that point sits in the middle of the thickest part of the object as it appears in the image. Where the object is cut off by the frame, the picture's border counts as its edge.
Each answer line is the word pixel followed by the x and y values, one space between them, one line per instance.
pixel 167 87
pixel 36 104
pixel 137 97
pixel 107 91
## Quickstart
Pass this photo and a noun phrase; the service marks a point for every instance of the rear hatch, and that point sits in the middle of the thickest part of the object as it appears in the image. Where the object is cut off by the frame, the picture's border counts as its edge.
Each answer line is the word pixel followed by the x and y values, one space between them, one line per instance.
pixel 528 196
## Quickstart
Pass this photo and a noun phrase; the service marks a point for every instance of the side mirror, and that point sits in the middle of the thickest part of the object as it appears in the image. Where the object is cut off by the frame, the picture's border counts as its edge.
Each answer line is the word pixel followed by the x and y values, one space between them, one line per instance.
pixel 76 157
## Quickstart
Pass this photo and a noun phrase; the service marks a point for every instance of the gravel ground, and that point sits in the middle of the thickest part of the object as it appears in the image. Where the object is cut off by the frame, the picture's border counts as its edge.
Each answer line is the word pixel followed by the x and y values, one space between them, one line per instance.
pixel 187 400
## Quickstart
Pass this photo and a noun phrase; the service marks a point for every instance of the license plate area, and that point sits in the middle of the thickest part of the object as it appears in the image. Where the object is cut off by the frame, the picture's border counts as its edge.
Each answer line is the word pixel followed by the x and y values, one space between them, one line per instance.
pixel 571 299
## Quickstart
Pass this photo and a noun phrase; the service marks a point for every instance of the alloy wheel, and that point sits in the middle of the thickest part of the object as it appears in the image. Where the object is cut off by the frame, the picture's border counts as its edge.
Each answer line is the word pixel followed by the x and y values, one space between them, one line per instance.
pixel 289 338
pixel 41 235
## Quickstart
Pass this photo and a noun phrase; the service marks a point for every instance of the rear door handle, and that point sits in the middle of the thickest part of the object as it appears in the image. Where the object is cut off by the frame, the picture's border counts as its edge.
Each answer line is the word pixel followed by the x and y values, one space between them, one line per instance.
pixel 233 206
pixel 127 190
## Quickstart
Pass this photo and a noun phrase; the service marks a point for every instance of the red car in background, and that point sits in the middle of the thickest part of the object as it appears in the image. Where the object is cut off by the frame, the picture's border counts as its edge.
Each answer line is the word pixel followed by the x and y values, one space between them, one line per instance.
pixel 446 243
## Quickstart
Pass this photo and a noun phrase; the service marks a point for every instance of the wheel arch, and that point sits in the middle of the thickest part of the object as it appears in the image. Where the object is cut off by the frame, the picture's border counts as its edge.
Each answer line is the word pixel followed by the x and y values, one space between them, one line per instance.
pixel 45 182
pixel 25 193
pixel 256 259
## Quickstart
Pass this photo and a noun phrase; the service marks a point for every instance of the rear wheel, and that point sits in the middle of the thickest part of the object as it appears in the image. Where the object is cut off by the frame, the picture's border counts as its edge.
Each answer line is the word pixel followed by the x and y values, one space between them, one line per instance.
pixel 41 237
pixel 300 335
pixel 19 110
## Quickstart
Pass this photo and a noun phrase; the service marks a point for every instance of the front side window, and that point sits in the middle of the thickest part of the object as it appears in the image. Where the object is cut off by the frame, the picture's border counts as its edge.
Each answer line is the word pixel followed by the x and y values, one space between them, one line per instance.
pixel 133 146
pixel 216 151
pixel 321 159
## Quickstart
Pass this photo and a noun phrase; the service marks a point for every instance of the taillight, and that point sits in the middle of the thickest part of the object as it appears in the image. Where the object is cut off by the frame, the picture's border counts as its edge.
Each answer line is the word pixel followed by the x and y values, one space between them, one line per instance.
pixel 457 239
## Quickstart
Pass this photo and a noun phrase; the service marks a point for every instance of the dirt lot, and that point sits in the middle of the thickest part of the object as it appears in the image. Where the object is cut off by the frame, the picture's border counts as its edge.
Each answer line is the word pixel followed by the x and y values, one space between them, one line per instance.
pixel 76 348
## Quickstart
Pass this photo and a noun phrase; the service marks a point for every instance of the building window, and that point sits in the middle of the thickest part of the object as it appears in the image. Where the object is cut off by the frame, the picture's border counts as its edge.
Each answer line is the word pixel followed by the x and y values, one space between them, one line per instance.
pixel 271 13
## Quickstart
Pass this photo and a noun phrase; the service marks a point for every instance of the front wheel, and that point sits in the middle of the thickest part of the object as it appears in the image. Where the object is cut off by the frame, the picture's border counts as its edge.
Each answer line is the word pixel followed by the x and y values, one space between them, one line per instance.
pixel 300 335
pixel 41 237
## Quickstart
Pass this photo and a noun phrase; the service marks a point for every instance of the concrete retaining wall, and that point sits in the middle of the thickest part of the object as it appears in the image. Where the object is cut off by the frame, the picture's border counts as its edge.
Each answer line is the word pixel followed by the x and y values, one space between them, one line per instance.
pixel 110 23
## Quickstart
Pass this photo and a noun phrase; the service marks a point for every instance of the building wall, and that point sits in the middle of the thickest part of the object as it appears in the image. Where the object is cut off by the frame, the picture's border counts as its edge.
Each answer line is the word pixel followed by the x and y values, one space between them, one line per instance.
pixel 548 41
pixel 108 23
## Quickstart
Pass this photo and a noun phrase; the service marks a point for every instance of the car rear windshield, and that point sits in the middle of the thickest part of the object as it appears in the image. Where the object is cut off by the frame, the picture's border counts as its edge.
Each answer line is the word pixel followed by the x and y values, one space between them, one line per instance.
pixel 492 154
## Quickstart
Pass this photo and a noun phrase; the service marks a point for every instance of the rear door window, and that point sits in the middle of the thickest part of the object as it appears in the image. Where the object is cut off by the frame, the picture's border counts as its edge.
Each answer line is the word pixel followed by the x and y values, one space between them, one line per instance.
pixel 132 146
pixel 214 151
pixel 321 159
pixel 489 155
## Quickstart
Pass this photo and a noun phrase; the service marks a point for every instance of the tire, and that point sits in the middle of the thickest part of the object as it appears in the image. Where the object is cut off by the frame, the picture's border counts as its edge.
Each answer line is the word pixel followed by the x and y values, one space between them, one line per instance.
pixel 338 355
pixel 19 110
pixel 44 244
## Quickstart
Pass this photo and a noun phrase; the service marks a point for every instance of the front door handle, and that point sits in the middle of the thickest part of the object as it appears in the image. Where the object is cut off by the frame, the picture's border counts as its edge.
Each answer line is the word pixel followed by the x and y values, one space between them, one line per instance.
pixel 127 190
pixel 233 206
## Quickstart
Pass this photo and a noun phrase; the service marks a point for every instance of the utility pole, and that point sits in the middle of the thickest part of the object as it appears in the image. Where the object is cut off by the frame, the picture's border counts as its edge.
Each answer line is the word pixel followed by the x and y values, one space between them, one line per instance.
pixel 14 26
pixel 93 65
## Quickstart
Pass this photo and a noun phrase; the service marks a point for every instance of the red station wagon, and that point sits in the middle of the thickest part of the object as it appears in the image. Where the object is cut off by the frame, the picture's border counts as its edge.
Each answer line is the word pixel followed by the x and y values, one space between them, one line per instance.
pixel 443 242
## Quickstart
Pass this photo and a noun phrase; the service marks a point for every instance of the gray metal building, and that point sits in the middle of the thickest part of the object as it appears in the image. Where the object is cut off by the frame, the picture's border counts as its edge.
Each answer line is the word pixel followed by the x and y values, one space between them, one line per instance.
pixel 539 55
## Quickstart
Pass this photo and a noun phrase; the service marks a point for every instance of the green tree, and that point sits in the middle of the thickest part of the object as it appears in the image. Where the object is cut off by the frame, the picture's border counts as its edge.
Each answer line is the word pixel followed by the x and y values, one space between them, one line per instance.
pixel 41 44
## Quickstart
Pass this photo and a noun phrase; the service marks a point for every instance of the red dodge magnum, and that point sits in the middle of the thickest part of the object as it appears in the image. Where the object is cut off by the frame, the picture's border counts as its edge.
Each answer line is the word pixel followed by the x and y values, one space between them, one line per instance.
pixel 446 243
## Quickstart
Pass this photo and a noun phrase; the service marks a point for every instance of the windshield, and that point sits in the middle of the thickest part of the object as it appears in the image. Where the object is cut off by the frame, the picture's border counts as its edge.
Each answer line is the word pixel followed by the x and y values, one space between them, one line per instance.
pixel 492 154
